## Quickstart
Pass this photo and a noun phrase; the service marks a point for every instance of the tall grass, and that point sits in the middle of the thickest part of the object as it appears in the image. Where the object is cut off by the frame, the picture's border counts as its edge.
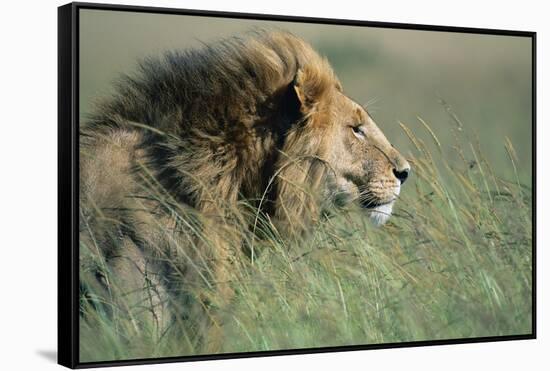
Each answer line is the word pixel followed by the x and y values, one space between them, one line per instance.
pixel 454 261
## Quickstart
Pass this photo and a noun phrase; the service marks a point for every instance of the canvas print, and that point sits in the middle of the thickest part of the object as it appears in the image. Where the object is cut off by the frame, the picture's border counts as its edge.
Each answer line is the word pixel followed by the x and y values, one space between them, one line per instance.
pixel 253 185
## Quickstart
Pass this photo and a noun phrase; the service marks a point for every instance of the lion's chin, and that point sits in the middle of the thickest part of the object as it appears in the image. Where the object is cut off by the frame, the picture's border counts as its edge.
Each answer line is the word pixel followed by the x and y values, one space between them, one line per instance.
pixel 380 214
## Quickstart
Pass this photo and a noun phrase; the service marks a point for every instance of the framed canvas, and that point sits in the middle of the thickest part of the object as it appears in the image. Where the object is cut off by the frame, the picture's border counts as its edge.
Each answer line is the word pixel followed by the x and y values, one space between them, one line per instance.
pixel 238 185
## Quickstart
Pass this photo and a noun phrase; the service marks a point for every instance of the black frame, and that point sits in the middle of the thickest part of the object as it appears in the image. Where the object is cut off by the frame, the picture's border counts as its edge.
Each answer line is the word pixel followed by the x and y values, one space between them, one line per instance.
pixel 68 184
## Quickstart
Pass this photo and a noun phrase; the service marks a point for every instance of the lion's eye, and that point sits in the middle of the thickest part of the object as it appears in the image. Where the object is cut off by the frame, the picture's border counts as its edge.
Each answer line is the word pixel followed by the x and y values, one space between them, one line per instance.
pixel 358 132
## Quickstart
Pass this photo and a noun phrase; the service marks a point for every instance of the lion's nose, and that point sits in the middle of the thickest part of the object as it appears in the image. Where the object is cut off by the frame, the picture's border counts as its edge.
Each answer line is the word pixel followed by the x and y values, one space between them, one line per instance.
pixel 402 174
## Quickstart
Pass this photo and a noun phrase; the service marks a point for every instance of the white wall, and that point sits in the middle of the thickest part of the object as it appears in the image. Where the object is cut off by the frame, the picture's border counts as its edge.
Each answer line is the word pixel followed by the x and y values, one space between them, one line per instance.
pixel 28 183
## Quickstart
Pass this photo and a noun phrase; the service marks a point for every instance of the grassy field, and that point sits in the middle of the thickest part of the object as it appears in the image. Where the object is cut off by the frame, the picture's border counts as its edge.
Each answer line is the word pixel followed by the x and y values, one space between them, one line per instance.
pixel 453 262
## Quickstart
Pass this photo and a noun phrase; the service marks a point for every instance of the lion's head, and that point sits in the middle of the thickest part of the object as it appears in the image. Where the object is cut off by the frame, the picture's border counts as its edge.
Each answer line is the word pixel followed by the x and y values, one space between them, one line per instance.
pixel 270 122
pixel 338 150
pixel 366 167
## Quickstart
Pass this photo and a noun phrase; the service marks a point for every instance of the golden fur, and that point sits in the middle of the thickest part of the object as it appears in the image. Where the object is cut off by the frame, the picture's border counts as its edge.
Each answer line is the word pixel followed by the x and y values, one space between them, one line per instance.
pixel 261 119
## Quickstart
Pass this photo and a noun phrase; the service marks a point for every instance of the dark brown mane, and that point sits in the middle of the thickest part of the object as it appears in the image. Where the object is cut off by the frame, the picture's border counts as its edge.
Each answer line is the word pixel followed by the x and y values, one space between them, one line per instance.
pixel 224 105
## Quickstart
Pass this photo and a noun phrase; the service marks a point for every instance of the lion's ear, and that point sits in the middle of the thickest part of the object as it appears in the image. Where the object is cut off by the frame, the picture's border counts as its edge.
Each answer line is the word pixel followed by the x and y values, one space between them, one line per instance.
pixel 309 86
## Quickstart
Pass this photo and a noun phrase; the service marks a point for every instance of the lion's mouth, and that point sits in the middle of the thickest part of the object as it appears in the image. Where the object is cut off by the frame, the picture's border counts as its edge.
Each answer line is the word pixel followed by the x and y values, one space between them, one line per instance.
pixel 370 201
pixel 381 213
pixel 371 204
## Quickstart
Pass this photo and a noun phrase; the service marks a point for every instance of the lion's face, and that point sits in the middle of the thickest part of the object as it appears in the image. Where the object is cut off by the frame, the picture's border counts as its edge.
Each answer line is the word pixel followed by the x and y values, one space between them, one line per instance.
pixel 366 168
pixel 359 165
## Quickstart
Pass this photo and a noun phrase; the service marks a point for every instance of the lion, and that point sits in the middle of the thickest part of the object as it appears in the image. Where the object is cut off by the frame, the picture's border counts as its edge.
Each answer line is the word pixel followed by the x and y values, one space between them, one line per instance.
pixel 260 118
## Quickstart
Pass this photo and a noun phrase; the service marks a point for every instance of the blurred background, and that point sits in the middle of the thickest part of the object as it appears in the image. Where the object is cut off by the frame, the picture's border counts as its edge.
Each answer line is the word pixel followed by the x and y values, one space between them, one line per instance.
pixel 480 84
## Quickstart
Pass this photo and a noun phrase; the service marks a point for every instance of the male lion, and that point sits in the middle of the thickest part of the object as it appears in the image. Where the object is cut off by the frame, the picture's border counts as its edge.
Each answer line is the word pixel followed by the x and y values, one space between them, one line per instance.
pixel 261 119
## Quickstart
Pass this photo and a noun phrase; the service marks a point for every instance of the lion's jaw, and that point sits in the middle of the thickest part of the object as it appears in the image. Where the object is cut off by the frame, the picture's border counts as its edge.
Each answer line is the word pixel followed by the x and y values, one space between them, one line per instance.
pixel 380 214
pixel 341 192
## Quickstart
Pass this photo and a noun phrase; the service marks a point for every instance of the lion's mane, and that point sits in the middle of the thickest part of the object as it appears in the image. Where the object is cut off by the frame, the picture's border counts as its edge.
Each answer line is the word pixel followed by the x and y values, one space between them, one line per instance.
pixel 222 123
